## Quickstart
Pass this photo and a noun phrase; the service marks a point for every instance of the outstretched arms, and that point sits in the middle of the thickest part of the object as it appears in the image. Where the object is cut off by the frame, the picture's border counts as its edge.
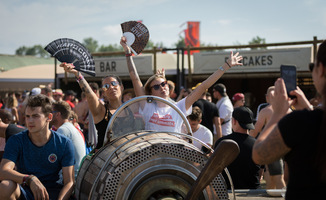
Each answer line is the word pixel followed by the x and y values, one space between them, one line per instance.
pixel 138 86
pixel 196 94
pixel 97 109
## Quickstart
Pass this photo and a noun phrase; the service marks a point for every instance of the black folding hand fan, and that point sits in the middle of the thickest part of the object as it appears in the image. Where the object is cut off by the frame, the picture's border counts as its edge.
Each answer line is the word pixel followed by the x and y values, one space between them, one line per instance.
pixel 137 35
pixel 71 51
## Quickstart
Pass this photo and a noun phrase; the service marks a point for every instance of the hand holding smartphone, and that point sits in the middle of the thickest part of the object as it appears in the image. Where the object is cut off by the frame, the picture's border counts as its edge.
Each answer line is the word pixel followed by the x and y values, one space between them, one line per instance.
pixel 289 75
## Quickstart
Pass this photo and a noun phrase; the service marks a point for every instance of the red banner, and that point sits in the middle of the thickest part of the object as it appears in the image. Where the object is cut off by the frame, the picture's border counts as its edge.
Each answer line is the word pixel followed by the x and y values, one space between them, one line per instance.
pixel 192 35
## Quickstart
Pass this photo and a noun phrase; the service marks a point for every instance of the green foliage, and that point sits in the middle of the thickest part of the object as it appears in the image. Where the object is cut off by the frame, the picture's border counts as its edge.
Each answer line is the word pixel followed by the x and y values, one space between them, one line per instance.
pixel 90 44
pixel 21 51
pixel 110 48
pixel 180 43
pixel 36 50
pixel 257 40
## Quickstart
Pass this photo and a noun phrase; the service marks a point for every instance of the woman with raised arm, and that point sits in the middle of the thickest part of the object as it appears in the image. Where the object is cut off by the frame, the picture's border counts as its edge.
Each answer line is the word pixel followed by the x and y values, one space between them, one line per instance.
pixel 160 117
pixel 112 88
pixel 299 137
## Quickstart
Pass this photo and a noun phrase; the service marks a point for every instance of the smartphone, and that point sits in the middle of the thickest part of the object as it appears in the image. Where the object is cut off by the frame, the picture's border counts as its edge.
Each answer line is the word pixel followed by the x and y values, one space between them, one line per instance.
pixel 289 75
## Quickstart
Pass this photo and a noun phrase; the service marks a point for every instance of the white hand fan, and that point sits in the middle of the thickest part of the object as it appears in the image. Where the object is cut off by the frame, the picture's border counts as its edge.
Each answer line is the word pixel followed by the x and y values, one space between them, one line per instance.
pixel 137 35
pixel 71 51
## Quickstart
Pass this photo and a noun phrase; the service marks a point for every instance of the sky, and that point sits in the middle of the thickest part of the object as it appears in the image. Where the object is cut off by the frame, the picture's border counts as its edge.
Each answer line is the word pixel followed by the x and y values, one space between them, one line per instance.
pixel 222 22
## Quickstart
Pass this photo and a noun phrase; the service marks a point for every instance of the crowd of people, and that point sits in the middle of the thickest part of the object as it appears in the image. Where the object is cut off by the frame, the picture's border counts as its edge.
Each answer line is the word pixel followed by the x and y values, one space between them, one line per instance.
pixel 54 126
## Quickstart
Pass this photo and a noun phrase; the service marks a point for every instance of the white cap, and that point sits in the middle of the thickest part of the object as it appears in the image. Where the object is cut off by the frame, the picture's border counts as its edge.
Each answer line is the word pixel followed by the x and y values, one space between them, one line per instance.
pixel 35 91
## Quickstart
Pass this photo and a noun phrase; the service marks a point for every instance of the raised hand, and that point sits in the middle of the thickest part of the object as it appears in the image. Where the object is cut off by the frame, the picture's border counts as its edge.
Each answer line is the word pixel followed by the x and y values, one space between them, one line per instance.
pixel 123 43
pixel 161 72
pixel 234 59
pixel 68 67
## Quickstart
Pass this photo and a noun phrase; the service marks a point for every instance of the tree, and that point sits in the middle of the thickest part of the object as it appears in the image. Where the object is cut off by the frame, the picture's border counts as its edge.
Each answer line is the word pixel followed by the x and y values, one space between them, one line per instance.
pixel 110 48
pixel 21 51
pixel 180 43
pixel 36 50
pixel 90 44
pixel 257 40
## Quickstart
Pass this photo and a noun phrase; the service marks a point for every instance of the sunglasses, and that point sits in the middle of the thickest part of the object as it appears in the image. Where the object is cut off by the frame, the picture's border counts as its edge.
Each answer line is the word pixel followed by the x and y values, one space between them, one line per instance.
pixel 311 66
pixel 157 86
pixel 107 85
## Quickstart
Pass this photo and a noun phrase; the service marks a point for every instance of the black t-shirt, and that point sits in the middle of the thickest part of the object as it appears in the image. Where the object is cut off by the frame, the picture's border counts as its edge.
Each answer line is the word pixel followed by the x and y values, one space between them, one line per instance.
pixel 13 129
pixel 101 127
pixel 300 130
pixel 209 111
pixel 244 172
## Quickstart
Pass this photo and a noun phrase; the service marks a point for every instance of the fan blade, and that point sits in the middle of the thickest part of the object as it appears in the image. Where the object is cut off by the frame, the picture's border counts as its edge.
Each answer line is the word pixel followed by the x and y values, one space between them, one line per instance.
pixel 137 35
pixel 71 51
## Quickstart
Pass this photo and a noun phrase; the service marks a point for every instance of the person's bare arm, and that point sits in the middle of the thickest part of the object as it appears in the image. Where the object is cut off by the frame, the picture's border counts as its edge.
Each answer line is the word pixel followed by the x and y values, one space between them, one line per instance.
pixel 196 94
pixel 7 172
pixel 270 145
pixel 261 121
pixel 15 113
pixel 138 85
pixel 217 123
pixel 68 182
pixel 97 109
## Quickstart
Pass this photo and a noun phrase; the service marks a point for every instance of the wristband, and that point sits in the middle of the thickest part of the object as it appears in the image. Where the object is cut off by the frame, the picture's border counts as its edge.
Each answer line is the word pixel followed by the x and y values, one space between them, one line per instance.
pixel 80 77
pixel 25 180
pixel 128 54
pixel 228 64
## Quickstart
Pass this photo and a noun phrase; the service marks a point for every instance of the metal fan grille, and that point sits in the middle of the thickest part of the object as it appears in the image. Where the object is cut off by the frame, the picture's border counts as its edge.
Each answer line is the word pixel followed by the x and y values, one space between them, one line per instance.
pixel 109 189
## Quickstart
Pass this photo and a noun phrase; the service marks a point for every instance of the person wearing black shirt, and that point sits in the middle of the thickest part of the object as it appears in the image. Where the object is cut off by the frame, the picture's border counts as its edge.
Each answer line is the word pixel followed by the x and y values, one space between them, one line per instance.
pixel 244 172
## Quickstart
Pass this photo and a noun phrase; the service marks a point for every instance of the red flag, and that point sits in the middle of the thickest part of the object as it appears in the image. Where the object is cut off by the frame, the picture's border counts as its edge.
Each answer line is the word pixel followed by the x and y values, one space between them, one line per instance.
pixel 192 35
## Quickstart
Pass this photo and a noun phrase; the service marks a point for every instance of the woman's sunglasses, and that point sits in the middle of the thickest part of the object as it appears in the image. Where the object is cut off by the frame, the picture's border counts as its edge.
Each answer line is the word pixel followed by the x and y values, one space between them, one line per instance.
pixel 107 85
pixel 157 86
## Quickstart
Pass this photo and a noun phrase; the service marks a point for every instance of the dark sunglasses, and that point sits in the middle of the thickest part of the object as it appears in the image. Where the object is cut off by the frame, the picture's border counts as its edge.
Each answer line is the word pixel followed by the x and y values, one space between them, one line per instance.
pixel 107 85
pixel 311 66
pixel 157 86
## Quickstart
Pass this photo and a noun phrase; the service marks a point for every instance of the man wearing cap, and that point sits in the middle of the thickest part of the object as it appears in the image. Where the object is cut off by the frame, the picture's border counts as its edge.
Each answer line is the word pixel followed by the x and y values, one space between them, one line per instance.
pixel 57 95
pixel 224 106
pixel 35 91
pixel 244 172
pixel 238 100
pixel 69 98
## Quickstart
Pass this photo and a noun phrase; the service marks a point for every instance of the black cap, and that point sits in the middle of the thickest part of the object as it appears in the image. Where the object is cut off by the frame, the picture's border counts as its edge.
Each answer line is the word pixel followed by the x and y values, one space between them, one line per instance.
pixel 244 116
pixel 70 92
pixel 220 88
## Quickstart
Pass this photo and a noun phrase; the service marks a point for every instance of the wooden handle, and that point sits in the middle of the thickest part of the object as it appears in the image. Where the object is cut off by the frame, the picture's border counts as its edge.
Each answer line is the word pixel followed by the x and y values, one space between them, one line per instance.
pixel 224 154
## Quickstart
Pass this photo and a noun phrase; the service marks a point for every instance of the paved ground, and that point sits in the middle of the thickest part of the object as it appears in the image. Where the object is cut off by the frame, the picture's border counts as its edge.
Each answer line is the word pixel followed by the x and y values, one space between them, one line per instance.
pixel 253 195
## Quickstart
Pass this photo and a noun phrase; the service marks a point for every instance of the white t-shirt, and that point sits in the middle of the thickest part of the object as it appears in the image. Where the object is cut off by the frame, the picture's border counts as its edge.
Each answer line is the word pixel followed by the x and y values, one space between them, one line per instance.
pixel 203 134
pixel 225 109
pixel 69 130
pixel 164 118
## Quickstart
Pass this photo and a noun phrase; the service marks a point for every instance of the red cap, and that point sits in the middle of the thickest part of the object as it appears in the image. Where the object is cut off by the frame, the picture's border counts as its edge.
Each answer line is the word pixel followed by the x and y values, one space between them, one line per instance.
pixel 237 96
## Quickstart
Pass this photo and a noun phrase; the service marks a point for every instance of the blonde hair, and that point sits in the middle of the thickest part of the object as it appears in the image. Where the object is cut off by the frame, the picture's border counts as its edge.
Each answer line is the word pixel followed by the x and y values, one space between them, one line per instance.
pixel 11 101
pixel 147 86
